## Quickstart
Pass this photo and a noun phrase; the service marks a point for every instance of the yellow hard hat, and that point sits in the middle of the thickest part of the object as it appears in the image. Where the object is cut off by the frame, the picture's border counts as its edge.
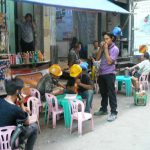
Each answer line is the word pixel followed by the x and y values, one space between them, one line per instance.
pixel 75 70
pixel 55 70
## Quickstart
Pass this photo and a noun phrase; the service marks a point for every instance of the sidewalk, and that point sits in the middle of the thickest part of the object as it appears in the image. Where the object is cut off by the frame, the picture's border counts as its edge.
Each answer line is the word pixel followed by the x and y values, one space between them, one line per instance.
pixel 131 131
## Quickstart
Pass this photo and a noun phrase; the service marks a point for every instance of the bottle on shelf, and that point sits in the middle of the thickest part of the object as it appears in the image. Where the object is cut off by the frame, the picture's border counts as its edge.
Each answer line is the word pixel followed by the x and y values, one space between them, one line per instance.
pixel 14 59
pixel 21 54
pixel 40 56
pixel 24 58
pixel 17 59
pixel 36 57
pixel 20 58
pixel 10 59
pixel 33 61
pixel 27 57
pixel 30 57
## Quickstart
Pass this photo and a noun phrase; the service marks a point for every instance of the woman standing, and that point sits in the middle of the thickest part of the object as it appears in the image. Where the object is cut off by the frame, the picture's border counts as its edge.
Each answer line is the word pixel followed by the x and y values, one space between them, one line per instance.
pixel 108 54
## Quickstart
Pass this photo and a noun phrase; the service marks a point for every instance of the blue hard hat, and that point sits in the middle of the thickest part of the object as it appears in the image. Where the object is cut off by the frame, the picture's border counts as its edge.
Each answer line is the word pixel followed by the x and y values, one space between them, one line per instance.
pixel 117 31
pixel 84 65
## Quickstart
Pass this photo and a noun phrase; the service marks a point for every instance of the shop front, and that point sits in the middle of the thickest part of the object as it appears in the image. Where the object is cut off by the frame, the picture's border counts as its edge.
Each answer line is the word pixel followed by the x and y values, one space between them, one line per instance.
pixel 32 62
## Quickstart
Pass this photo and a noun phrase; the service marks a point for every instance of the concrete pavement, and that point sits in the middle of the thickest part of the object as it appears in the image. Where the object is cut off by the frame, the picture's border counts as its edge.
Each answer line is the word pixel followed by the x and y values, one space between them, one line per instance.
pixel 131 130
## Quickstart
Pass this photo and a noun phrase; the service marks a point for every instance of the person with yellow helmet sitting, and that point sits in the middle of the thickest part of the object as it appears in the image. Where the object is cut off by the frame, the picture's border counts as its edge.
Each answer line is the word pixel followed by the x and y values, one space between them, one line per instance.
pixel 48 82
pixel 83 84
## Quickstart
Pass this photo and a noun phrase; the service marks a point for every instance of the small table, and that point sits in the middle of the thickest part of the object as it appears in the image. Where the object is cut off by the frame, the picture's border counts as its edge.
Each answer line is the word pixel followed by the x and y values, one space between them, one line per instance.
pixel 127 80
pixel 66 107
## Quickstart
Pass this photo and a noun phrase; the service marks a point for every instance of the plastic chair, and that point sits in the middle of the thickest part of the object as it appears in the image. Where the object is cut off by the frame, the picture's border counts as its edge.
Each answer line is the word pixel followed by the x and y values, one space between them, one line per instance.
pixel 5 137
pixel 81 116
pixel 45 113
pixel 36 93
pixel 32 104
pixel 143 80
pixel 54 109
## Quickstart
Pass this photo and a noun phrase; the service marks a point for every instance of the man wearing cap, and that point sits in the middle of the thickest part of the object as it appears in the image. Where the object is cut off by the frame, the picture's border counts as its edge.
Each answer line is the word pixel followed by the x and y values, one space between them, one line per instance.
pixel 48 82
pixel 84 83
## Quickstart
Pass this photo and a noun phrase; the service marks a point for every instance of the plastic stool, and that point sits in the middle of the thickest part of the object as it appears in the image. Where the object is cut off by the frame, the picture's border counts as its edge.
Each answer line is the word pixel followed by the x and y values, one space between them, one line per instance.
pixel 127 81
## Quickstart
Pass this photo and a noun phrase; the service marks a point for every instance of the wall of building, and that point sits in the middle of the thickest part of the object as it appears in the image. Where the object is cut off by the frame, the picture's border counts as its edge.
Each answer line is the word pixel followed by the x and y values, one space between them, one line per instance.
pixel 107 21
pixel 39 41
pixel 113 19
pixel 10 24
pixel 49 25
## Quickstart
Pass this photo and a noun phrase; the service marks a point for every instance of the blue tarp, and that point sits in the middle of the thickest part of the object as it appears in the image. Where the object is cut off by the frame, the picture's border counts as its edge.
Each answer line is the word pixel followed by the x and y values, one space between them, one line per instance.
pixel 96 5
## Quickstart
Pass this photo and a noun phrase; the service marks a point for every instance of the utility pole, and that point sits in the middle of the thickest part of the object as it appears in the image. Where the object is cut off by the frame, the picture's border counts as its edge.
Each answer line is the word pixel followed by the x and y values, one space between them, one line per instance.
pixel 131 24
pixel 130 28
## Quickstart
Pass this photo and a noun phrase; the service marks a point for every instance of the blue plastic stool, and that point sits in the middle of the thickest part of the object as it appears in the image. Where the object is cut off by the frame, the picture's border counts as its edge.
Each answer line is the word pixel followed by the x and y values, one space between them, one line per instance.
pixel 127 81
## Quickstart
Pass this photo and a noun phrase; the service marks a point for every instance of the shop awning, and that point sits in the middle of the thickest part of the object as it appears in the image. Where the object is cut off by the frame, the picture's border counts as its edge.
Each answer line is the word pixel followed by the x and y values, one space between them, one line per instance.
pixel 94 5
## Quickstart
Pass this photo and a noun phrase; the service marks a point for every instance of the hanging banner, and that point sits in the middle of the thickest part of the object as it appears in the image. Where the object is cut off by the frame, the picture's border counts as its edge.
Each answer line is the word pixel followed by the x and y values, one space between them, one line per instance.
pixel 141 27
pixel 4 64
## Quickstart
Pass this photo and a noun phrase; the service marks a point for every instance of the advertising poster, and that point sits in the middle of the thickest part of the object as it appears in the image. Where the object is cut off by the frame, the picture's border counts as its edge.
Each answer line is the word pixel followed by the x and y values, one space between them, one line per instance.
pixel 64 24
pixel 141 26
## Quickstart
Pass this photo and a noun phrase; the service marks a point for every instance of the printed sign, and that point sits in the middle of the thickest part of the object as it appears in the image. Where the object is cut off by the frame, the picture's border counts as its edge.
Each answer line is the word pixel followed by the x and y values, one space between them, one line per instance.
pixel 141 26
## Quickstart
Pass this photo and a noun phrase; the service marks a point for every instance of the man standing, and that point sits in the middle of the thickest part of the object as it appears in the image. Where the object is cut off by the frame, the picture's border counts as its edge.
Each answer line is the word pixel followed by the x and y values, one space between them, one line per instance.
pixel 10 113
pixel 27 28
pixel 108 54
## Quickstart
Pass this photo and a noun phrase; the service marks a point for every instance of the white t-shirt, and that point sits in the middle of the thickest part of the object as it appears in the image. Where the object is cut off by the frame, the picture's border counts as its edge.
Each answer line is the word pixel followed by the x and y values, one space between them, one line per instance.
pixel 144 67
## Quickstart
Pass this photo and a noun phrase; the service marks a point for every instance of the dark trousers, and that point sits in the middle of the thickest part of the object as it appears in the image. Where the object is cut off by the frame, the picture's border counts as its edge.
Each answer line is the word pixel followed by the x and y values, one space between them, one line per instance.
pixel 30 134
pixel 88 95
pixel 26 46
pixel 107 90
